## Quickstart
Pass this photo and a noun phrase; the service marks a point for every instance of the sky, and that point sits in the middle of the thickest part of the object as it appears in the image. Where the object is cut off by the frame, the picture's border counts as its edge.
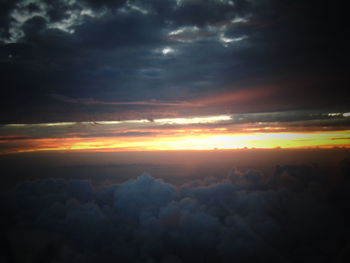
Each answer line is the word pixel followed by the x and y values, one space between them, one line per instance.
pixel 172 74
pixel 174 131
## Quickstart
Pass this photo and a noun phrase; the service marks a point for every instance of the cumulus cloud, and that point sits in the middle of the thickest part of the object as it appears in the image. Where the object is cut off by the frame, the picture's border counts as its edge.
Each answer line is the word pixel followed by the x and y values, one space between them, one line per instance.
pixel 143 193
pixel 246 217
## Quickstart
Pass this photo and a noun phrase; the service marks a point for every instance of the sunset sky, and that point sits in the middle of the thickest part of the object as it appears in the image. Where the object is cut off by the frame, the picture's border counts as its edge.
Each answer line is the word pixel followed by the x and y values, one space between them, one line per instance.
pixel 174 131
pixel 172 75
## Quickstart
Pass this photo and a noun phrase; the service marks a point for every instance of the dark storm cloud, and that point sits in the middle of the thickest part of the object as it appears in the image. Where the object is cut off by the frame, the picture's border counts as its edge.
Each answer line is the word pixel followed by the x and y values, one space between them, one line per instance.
pixel 290 216
pixel 169 51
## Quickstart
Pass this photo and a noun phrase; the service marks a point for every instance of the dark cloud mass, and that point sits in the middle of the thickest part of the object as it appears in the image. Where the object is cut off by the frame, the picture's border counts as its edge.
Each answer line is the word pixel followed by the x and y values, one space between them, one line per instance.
pixel 294 215
pixel 170 51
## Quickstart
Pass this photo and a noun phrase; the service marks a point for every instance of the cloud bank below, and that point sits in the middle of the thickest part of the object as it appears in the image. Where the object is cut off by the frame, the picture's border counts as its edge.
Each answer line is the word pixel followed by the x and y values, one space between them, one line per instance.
pixel 290 216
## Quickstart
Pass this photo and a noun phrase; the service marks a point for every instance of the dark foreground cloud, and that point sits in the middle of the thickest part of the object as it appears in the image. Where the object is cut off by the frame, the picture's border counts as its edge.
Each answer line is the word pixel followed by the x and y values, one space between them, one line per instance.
pixel 293 215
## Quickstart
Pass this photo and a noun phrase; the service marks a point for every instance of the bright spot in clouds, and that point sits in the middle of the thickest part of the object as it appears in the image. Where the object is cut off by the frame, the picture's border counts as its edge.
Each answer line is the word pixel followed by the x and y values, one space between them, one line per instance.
pixel 239 20
pixel 334 114
pixel 185 29
pixel 167 50
pixel 227 40
pixel 195 120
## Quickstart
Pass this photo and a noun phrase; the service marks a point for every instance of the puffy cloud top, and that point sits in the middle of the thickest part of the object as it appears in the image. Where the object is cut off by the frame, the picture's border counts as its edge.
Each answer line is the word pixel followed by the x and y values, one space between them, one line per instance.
pixel 147 220
pixel 143 193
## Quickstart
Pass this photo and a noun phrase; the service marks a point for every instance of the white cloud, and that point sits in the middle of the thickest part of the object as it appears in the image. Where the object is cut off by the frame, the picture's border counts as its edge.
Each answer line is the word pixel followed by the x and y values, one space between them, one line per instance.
pixel 74 19
pixel 167 51
pixel 226 40
pixel 213 32
pixel 135 6
pixel 334 114
pixel 186 34
pixel 74 16
pixel 238 20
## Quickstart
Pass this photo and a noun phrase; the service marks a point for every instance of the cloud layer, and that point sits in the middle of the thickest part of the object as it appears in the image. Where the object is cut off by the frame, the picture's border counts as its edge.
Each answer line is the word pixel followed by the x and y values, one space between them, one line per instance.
pixel 290 216
pixel 122 52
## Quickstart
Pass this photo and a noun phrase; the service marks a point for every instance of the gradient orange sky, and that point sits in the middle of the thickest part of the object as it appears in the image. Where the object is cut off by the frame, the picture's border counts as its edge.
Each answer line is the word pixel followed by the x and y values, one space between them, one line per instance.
pixel 195 133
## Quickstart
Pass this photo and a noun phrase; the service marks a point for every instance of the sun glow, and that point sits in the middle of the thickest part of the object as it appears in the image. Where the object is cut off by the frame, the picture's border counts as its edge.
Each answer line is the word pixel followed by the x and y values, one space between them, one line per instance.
pixel 191 133
pixel 180 140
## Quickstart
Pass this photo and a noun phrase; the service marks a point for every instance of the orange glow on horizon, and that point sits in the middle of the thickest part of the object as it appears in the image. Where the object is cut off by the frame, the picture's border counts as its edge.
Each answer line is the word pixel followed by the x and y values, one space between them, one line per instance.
pixel 195 139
